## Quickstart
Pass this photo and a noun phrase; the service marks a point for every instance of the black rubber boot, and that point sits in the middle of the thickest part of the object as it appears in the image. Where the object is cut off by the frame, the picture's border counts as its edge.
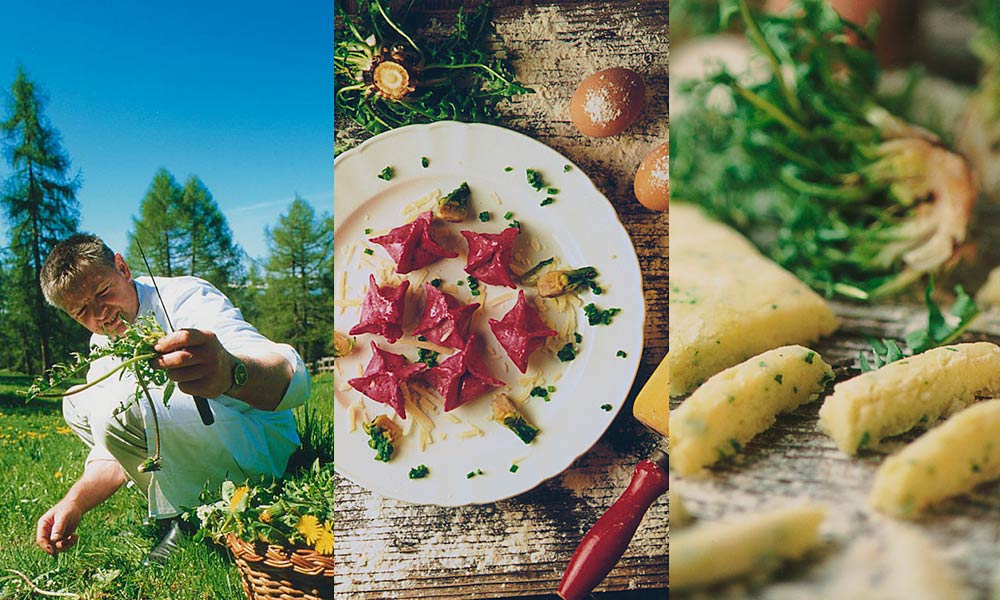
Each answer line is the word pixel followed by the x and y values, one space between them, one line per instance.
pixel 168 544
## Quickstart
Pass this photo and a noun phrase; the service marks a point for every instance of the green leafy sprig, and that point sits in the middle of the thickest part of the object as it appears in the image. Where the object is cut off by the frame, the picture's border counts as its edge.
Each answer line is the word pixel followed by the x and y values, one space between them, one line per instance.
pixel 939 332
pixel 812 167
pixel 387 77
pixel 134 348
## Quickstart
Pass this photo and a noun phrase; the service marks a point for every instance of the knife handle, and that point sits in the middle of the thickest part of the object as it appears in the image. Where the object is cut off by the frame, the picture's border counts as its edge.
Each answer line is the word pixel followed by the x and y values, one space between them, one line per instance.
pixel 204 410
pixel 606 541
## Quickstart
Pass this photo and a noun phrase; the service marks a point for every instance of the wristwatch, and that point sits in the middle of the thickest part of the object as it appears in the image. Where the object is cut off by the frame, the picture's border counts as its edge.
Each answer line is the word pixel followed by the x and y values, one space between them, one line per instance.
pixel 240 375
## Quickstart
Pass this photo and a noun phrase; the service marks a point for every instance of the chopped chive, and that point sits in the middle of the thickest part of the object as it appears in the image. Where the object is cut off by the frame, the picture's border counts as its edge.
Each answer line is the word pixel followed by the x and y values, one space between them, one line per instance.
pixel 621 353
pixel 369 251
pixel 508 169
pixel 547 202
pixel 386 173
pixel 513 468
pixel 436 282
pixel 606 407
pixel 507 215
pixel 567 168
pixel 553 191
pixel 550 388
pixel 419 472
pixel 424 161
pixel 368 230
pixel 484 216
pixel 578 337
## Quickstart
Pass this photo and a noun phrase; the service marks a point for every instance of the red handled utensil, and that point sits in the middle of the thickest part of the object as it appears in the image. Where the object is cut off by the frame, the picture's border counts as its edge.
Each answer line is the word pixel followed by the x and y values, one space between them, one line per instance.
pixel 604 544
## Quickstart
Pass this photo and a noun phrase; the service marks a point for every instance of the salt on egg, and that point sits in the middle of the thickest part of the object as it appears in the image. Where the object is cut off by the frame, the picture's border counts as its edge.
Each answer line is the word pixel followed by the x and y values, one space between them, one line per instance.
pixel 607 102
pixel 652 179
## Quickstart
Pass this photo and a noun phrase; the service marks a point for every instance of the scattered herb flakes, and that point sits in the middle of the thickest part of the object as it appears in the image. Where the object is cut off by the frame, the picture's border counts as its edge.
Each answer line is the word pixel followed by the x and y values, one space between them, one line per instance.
pixel 552 191
pixel 484 216
pixel 428 357
pixel 425 162
pixel 379 442
pixel 567 168
pixel 809 357
pixel 778 378
pixel 369 251
pixel 421 338
pixel 436 282
pixel 514 224
pixel 577 337
pixel 535 179
pixel 507 215
pixel 521 427
pixel 547 201
pixel 597 316
pixel 735 444
pixel 508 169
pixel 473 285
pixel 606 407
pixel 539 391
pixel 459 283
pixel 386 173
pixel 368 230
pixel 621 353
pixel 550 388
pixel 865 438
pixel 566 353
pixel 419 472
pixel 513 468
pixel 472 474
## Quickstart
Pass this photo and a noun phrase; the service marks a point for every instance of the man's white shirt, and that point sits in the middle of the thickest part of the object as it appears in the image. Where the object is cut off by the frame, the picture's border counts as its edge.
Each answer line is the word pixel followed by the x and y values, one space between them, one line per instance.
pixel 242 442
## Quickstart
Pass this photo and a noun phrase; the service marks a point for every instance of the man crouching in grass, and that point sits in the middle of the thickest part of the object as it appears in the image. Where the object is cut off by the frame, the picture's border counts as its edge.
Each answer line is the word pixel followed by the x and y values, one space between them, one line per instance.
pixel 209 350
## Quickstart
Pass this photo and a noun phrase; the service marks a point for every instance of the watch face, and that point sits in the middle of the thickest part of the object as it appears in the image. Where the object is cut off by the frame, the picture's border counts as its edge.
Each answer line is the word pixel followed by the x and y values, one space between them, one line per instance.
pixel 240 374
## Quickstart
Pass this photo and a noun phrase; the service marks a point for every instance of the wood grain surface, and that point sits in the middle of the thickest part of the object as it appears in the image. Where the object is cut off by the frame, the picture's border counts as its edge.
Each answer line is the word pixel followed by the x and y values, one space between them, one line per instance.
pixel 520 547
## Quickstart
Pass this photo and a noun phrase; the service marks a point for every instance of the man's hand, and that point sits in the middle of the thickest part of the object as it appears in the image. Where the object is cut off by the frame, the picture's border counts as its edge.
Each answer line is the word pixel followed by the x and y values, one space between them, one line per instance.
pixel 55 530
pixel 197 361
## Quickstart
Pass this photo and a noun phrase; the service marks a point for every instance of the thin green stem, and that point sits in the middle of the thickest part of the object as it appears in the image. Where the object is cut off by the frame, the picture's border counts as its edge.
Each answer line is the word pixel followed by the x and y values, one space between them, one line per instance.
pixel 755 33
pixel 772 110
pixel 91 384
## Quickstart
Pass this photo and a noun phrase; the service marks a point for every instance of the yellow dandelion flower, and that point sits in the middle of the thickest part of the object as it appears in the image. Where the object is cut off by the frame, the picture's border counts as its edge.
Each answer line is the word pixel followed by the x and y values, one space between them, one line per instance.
pixel 64 430
pixel 310 528
pixel 238 495
pixel 58 474
pixel 324 545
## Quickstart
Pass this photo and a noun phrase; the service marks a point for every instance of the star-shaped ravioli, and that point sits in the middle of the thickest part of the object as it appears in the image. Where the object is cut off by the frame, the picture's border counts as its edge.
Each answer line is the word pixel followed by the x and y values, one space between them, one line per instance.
pixel 412 246
pixel 490 255
pixel 382 310
pixel 461 377
pixel 521 331
pixel 385 378
pixel 445 320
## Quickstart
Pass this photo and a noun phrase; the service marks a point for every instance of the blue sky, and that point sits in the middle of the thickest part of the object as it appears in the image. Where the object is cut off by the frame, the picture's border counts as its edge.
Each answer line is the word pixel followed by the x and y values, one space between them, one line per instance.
pixel 238 93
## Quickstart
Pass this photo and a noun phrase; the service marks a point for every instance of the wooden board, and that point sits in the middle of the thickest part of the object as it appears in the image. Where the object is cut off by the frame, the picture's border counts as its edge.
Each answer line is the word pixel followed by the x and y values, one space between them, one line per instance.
pixel 520 547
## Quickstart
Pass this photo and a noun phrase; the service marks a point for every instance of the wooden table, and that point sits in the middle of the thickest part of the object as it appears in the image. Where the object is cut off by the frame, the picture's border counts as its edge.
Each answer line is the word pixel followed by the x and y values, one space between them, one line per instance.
pixel 520 547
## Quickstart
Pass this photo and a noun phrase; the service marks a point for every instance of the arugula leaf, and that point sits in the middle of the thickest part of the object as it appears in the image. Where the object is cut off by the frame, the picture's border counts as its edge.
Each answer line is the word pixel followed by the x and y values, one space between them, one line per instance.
pixel 937 333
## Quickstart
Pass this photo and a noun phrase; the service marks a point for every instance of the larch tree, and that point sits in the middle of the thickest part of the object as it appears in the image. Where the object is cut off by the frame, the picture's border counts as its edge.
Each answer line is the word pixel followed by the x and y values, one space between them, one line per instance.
pixel 39 202
pixel 157 229
pixel 296 307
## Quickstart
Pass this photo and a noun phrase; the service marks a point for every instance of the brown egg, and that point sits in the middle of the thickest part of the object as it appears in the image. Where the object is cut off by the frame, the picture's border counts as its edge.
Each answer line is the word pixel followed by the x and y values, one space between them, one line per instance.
pixel 607 102
pixel 652 180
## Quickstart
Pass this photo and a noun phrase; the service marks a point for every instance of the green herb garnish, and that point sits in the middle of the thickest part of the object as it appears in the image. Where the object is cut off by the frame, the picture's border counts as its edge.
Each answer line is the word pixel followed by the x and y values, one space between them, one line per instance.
pixel 547 202
pixel 597 316
pixel 566 353
pixel 386 173
pixel 419 472
pixel 425 162
pixel 484 216
pixel 621 353
pixel 514 468
pixel 428 357
pixel 535 179
pixel 606 407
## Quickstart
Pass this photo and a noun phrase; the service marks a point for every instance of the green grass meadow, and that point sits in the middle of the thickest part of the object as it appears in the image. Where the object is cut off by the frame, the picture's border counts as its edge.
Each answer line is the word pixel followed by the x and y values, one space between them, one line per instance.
pixel 40 458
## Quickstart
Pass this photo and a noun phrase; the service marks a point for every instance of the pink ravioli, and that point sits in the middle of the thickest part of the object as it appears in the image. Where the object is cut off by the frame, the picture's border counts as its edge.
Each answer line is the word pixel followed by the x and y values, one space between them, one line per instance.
pixel 412 246
pixel 445 321
pixel 490 255
pixel 461 377
pixel 384 378
pixel 521 331
pixel 382 310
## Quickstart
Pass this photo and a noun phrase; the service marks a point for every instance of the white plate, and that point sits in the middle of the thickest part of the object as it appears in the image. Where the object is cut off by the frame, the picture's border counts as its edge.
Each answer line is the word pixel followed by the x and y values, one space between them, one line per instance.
pixel 580 228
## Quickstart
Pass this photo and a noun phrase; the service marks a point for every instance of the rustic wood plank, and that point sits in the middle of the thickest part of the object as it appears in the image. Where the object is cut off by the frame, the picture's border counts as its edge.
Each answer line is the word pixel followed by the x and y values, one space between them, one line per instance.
pixel 520 546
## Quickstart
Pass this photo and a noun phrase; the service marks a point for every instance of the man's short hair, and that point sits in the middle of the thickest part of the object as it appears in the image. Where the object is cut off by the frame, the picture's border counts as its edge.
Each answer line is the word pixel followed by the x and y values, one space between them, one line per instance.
pixel 68 260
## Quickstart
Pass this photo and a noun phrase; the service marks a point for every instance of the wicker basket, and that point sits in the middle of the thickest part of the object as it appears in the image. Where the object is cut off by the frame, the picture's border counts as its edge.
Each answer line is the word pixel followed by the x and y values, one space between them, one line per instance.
pixel 276 573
